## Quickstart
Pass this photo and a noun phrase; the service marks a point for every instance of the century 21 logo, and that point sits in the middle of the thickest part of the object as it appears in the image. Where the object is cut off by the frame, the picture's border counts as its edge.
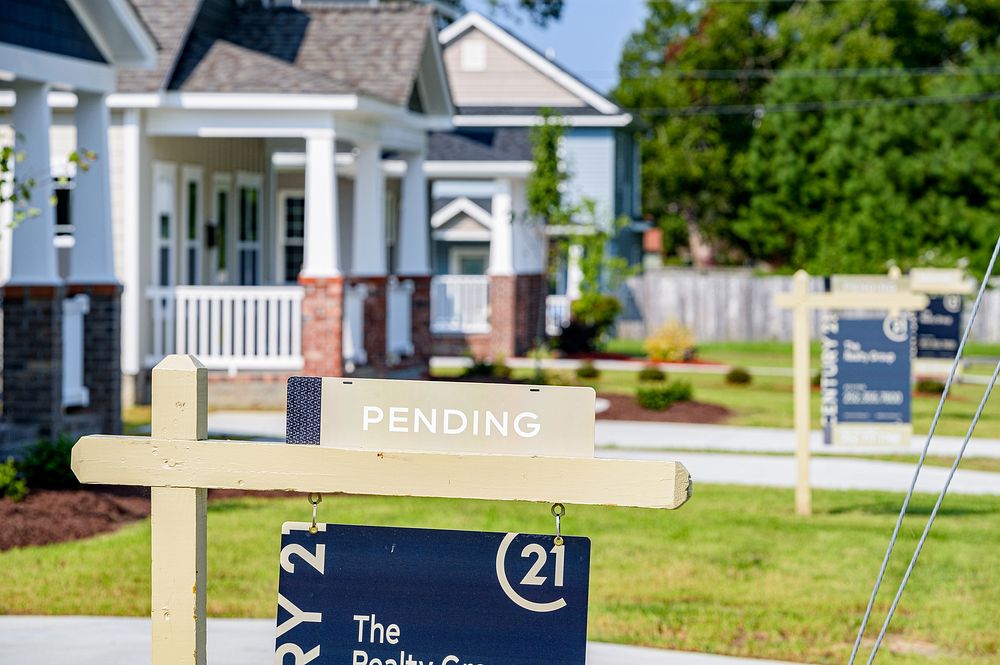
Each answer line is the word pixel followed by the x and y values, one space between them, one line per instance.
pixel 533 576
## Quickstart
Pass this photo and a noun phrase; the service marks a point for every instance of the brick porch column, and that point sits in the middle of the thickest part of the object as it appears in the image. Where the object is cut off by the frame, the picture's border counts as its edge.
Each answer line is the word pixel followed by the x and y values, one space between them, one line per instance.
pixel 375 319
pixel 322 325
pixel 92 268
pixel 413 255
pixel 369 252
pixel 321 280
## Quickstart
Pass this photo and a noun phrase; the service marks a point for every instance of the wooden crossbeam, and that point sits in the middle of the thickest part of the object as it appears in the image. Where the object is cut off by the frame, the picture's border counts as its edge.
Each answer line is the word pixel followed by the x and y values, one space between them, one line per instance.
pixel 120 460
pixel 834 301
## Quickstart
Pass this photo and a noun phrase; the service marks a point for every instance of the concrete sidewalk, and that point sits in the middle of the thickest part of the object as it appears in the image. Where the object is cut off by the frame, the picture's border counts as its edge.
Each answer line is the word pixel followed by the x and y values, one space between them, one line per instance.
pixel 649 435
pixel 126 641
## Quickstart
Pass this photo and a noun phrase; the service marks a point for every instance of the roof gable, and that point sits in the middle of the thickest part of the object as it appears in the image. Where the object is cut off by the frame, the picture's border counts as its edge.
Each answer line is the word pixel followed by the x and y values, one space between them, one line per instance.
pixel 454 216
pixel 539 81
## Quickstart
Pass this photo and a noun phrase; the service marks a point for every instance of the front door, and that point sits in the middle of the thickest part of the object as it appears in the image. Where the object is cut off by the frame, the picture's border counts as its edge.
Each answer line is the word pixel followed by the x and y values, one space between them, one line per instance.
pixel 218 244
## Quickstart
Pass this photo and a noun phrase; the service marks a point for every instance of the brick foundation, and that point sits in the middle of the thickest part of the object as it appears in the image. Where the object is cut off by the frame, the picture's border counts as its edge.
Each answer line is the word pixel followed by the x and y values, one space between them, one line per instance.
pixel 375 321
pixel 102 370
pixel 32 354
pixel 322 325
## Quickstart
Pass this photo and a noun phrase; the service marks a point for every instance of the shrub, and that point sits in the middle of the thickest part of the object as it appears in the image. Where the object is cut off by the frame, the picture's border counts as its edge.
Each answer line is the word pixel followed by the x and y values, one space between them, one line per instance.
pixel 671 343
pixel 577 337
pixel 12 486
pixel 597 310
pixel 552 378
pixel 652 373
pixel 932 386
pixel 47 465
pixel 481 367
pixel 658 398
pixel 817 378
pixel 739 376
pixel 586 370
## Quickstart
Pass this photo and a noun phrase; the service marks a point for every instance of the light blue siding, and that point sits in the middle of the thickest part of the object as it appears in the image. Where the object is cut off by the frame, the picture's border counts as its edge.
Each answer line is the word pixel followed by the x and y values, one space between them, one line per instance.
pixel 590 160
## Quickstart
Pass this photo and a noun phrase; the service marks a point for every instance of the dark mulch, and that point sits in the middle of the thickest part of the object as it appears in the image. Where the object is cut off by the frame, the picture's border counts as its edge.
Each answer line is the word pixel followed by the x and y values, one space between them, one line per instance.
pixel 624 407
pixel 55 516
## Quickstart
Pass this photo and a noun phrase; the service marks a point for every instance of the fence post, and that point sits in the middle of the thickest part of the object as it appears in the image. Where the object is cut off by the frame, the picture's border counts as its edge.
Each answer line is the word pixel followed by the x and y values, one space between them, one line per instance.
pixel 180 412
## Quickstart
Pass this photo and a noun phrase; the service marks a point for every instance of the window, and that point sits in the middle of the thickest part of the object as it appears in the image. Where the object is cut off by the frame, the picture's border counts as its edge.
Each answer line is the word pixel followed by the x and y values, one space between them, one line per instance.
pixel 164 177
pixel 249 242
pixel 473 55
pixel 192 224
pixel 220 245
pixel 468 260
pixel 293 217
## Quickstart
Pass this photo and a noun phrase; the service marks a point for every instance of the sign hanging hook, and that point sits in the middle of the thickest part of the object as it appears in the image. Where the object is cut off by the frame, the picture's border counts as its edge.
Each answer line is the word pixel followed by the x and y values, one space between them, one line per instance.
pixel 558 510
pixel 315 498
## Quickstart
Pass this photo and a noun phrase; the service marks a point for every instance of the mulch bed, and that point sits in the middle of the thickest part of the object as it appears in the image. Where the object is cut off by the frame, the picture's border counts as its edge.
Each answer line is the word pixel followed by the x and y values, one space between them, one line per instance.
pixel 55 516
pixel 624 407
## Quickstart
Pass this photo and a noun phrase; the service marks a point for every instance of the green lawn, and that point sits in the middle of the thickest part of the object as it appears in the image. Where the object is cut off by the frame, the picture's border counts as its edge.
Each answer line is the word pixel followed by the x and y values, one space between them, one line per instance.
pixel 732 572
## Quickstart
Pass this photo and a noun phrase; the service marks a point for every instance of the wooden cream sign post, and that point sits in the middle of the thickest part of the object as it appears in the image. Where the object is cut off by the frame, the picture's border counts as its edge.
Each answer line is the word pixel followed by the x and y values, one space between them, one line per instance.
pixel 180 465
pixel 802 301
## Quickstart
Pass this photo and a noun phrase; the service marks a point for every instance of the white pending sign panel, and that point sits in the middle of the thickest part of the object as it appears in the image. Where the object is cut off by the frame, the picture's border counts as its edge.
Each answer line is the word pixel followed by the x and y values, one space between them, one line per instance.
pixel 447 417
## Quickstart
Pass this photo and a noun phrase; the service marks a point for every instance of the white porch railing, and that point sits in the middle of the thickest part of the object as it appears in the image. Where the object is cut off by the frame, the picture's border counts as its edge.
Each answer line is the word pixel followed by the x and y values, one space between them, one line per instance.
pixel 399 319
pixel 74 392
pixel 353 336
pixel 229 327
pixel 460 304
pixel 557 314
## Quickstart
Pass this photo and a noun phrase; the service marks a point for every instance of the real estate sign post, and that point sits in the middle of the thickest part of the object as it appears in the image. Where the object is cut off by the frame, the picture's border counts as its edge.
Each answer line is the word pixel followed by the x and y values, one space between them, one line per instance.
pixel 180 465
pixel 802 302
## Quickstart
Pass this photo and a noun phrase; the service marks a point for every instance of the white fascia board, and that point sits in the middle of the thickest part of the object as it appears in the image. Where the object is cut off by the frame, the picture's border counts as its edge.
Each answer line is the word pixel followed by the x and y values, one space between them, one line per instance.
pixel 117 32
pixel 460 205
pixel 229 124
pixel 457 235
pixel 296 161
pixel 74 73
pixel 260 101
pixel 134 100
pixel 460 169
pixel 620 120
pixel 528 55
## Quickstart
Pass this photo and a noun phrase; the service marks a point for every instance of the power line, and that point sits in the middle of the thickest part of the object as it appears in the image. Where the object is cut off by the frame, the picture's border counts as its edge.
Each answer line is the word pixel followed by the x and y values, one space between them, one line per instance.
pixel 760 110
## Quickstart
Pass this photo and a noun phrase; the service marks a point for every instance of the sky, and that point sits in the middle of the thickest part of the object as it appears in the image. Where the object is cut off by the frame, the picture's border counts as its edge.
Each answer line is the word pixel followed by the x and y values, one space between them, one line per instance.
pixel 587 40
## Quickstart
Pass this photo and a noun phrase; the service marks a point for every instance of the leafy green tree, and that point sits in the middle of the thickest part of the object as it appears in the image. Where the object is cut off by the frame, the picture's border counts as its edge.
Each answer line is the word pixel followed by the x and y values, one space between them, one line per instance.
pixel 547 179
pixel 850 185
pixel 689 185
pixel 541 12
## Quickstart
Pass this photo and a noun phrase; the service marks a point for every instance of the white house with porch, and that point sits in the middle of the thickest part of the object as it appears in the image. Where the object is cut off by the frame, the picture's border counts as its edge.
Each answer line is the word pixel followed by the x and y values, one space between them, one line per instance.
pixel 273 199
pixel 61 336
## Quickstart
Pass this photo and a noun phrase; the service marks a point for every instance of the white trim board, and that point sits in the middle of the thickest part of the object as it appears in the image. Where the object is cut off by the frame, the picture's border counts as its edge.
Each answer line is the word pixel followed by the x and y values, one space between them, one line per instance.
pixel 474 20
pixel 36 65
pixel 619 120
pixel 460 205
pixel 485 169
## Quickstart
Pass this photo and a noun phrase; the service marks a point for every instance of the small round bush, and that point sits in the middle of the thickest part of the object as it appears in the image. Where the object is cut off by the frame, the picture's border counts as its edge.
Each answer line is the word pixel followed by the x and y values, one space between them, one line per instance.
pixel 47 465
pixel 738 376
pixel 659 398
pixel 12 486
pixel 586 370
pixel 652 373
pixel 817 377
pixel 931 386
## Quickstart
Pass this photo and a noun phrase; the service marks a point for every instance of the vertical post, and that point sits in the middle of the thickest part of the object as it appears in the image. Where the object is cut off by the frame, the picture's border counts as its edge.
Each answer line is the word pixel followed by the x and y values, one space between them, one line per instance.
pixel 92 259
pixel 801 387
pixel 180 412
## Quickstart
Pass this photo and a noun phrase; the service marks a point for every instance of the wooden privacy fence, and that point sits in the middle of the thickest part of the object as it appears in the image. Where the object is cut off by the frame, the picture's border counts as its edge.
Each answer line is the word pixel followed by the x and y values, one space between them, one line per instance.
pixel 737 305
pixel 180 465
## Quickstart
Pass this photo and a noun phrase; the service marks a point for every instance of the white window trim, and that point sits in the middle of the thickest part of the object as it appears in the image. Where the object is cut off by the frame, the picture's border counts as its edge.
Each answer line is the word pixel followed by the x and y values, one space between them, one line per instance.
pixel 159 169
pixel 279 257
pixel 461 205
pixel 248 179
pixel 193 174
pixel 473 55
pixel 223 182
pixel 456 254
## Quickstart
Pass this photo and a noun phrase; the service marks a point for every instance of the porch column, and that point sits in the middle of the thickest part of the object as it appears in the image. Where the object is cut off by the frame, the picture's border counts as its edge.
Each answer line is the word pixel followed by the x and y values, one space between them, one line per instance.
pixel 414 255
pixel 502 237
pixel 321 279
pixel 33 256
pixel 574 274
pixel 92 264
pixel 369 255
pixel 503 306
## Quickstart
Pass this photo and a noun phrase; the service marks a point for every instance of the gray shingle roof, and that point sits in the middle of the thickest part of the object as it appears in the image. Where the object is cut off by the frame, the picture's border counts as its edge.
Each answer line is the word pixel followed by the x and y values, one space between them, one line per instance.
pixel 168 22
pixel 369 50
pixel 485 144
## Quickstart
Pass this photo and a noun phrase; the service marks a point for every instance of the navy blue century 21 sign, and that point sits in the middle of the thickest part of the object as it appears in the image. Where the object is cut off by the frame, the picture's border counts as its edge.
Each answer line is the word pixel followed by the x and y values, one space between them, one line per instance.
pixel 359 595
pixel 939 327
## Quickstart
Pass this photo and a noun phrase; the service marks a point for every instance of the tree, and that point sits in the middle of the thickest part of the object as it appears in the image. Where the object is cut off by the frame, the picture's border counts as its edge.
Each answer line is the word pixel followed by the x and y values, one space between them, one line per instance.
pixel 17 190
pixel 540 12
pixel 689 185
pixel 852 187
